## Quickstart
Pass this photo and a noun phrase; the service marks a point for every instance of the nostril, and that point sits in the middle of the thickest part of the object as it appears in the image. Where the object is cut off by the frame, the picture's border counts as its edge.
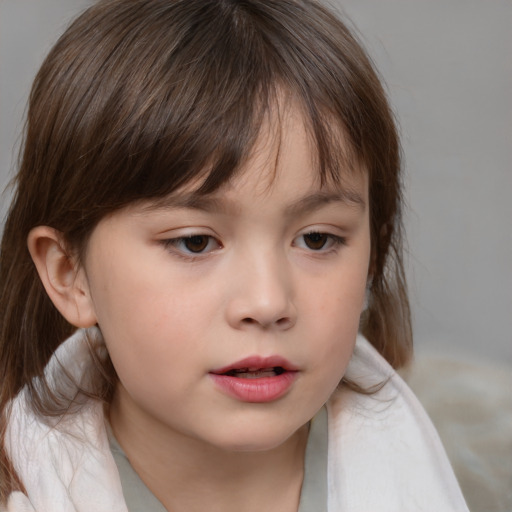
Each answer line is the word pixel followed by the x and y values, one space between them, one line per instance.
pixel 280 322
pixel 283 322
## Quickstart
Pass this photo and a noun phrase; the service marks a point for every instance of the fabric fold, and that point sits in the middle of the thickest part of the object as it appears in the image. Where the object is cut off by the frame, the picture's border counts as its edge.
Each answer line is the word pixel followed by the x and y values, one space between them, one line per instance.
pixel 384 454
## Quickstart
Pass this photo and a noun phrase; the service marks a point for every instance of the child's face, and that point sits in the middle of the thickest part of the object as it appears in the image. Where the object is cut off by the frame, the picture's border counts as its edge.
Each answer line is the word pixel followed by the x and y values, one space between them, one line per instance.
pixel 269 266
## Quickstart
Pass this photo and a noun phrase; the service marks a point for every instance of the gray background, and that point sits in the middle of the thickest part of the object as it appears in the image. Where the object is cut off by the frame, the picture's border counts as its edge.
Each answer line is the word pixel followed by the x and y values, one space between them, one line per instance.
pixel 448 69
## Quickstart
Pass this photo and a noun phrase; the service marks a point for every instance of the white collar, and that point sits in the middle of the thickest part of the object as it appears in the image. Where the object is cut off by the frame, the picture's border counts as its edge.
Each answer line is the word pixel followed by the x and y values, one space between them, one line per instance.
pixel 384 453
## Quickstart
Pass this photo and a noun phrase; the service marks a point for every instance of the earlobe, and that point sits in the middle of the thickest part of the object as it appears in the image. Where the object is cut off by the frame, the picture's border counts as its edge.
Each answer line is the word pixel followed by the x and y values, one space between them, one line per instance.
pixel 63 279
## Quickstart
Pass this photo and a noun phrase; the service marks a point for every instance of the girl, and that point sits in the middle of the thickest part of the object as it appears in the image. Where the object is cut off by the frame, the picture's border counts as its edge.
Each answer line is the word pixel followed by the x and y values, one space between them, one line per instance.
pixel 207 212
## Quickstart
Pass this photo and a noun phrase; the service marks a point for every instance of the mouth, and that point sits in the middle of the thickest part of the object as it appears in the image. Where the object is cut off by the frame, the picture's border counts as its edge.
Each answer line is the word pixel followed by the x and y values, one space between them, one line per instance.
pixel 257 367
pixel 255 373
pixel 256 379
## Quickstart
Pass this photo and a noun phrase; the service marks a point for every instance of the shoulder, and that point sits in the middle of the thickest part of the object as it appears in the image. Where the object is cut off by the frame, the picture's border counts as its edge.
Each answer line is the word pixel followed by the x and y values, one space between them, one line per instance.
pixel 63 460
pixel 384 453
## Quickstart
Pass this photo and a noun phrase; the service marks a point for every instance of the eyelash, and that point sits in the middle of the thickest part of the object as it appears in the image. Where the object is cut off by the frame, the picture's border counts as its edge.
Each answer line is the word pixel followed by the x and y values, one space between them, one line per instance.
pixel 333 241
pixel 179 247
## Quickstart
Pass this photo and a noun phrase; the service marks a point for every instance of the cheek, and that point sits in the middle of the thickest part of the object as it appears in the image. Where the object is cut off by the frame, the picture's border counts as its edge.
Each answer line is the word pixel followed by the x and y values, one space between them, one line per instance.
pixel 334 315
pixel 151 329
pixel 336 304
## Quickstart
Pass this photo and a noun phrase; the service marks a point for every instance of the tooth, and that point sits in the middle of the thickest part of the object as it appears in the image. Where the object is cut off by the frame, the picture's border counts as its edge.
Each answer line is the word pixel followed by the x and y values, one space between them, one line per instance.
pixel 256 374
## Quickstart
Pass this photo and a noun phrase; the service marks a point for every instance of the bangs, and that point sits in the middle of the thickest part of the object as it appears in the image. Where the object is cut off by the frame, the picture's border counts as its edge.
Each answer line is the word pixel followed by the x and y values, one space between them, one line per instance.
pixel 180 90
pixel 162 94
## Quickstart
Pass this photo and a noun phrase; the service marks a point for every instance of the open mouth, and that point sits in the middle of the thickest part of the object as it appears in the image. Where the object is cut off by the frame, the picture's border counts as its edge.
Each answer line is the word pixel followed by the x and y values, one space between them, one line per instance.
pixel 255 373
pixel 256 379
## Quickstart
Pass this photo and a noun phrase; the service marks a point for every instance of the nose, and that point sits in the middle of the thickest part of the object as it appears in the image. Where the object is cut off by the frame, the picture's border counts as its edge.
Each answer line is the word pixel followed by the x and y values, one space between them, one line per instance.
pixel 262 294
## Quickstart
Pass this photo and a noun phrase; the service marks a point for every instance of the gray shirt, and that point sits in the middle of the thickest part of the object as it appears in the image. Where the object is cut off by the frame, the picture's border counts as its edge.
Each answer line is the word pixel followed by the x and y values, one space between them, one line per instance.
pixel 313 496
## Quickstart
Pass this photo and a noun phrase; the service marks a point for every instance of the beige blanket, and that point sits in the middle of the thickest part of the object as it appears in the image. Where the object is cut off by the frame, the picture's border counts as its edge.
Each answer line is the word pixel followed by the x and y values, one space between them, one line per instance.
pixel 470 403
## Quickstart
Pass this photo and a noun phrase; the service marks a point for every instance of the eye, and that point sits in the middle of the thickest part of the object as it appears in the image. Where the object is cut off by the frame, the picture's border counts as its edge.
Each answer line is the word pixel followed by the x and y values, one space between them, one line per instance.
pixel 194 244
pixel 317 241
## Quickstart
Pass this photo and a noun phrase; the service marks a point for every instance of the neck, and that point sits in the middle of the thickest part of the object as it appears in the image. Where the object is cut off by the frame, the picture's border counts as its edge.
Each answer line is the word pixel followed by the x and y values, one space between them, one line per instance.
pixel 174 467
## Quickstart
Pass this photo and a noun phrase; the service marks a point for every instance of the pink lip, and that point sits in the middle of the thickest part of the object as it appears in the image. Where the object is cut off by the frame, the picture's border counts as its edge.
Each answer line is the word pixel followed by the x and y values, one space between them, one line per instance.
pixel 257 363
pixel 256 390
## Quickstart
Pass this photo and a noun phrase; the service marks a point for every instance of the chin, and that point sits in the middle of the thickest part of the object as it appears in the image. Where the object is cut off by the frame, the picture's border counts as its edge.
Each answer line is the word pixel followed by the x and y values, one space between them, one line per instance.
pixel 251 439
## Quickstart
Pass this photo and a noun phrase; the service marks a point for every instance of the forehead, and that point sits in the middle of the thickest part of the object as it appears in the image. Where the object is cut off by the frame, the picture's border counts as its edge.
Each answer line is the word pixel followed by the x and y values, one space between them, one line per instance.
pixel 286 157
pixel 282 166
pixel 286 153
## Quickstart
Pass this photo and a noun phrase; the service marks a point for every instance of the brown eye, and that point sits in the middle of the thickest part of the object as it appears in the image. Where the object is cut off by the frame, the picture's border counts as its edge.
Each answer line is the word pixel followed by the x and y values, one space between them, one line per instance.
pixel 196 243
pixel 192 246
pixel 316 241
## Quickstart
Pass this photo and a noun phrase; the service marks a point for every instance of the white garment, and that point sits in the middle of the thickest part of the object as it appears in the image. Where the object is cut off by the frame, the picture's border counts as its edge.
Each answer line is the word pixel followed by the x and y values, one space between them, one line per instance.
pixel 384 454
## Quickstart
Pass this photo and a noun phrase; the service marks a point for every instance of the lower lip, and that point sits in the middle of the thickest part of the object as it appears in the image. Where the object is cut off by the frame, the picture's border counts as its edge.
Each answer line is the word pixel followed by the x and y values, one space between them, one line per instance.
pixel 266 389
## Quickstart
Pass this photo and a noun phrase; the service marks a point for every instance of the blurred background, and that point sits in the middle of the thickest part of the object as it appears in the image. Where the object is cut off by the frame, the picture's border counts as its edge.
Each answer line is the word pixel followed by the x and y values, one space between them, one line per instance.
pixel 447 65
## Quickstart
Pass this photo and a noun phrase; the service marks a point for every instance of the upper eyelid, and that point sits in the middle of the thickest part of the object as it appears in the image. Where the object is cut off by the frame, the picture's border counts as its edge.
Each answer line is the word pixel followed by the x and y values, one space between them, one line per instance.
pixel 175 239
pixel 187 231
pixel 333 236
pixel 325 228
pixel 329 229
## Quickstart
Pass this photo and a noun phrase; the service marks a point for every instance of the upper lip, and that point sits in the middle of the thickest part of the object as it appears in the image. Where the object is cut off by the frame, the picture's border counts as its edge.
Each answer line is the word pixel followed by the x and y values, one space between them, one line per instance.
pixel 255 363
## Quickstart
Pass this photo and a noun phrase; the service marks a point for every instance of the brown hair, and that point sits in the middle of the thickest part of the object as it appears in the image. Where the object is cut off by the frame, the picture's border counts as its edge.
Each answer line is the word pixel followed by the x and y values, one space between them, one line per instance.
pixel 139 96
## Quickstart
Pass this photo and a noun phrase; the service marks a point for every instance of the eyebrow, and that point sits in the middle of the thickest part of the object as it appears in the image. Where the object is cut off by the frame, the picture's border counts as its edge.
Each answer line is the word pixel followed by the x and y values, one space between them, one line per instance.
pixel 194 201
pixel 317 200
pixel 303 205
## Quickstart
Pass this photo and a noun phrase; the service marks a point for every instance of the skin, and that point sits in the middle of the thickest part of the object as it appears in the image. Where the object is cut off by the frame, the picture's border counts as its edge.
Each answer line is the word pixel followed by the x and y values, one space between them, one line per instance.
pixel 259 285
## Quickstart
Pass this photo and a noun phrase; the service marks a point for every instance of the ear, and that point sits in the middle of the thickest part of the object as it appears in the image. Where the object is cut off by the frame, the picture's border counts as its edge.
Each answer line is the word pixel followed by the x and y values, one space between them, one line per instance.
pixel 64 280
